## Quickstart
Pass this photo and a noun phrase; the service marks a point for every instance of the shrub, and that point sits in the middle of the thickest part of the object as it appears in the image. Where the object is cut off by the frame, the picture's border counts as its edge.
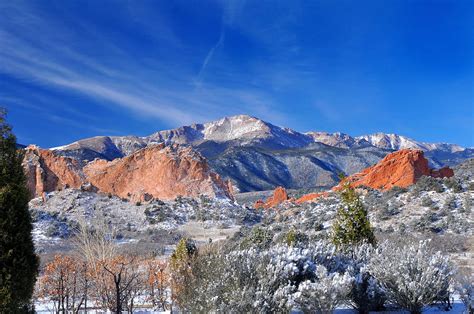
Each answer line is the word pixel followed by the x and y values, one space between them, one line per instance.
pixel 258 237
pixel 426 183
pixel 465 288
pixel 450 203
pixel 324 292
pixel 394 192
pixel 351 225
pixel 412 275
pixel 426 201
pixel 467 204
pixel 294 237
pixel 453 184
pixel 389 210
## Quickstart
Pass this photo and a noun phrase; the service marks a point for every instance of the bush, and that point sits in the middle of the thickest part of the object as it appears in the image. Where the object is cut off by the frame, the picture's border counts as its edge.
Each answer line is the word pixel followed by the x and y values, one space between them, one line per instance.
pixel 394 192
pixel 465 288
pixel 426 183
pixel 453 184
pixel 279 279
pixel 467 204
pixel 412 276
pixel 294 237
pixel 450 203
pixel 351 225
pixel 426 201
pixel 258 237
pixel 389 210
pixel 324 292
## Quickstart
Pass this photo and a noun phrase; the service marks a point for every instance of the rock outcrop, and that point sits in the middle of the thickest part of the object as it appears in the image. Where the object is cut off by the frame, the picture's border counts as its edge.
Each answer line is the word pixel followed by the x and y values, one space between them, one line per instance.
pixel 311 197
pixel 279 196
pixel 46 172
pixel 157 171
pixel 402 169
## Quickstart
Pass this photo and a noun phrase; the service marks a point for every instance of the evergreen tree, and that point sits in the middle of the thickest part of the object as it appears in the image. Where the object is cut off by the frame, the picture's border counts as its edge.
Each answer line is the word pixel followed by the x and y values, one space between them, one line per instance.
pixel 18 262
pixel 351 225
pixel 181 272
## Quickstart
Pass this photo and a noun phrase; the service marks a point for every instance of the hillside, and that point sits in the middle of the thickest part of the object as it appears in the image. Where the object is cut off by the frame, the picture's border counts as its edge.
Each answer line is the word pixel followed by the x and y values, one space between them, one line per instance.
pixel 257 155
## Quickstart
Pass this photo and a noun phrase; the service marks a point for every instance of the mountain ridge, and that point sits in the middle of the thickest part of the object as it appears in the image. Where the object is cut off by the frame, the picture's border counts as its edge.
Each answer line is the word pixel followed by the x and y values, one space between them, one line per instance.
pixel 257 155
pixel 229 129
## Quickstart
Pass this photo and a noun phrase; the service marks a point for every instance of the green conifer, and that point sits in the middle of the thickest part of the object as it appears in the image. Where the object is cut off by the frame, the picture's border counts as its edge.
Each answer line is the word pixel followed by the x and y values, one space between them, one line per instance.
pixel 351 225
pixel 18 262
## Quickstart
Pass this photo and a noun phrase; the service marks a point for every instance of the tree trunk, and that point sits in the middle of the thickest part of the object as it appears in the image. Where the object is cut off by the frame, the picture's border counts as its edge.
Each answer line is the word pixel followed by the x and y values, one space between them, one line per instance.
pixel 118 308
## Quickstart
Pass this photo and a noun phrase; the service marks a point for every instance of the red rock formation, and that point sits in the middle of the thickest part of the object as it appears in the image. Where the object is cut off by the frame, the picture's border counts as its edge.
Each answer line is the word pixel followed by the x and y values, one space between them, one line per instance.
pixel 402 168
pixel 156 171
pixel 279 196
pixel 445 172
pixel 47 172
pixel 311 197
pixel 163 172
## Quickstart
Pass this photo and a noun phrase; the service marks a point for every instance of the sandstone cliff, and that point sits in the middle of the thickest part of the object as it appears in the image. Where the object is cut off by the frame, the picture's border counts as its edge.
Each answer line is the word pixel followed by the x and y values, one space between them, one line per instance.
pixel 158 171
pixel 46 172
pixel 279 196
pixel 402 168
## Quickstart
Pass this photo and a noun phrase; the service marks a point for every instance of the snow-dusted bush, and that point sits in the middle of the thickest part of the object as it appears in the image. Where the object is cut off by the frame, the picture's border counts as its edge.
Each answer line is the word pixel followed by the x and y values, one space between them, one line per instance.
pixel 324 292
pixel 366 293
pixel 310 278
pixel 285 268
pixel 267 280
pixel 426 183
pixel 465 288
pixel 412 276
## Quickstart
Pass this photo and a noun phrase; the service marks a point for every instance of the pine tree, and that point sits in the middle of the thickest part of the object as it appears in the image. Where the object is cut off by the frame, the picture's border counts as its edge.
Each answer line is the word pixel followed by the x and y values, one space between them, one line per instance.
pixel 181 272
pixel 351 225
pixel 18 262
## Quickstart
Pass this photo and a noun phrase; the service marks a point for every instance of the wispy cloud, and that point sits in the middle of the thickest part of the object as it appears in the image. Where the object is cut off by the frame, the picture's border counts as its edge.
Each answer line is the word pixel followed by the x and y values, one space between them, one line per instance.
pixel 146 87
pixel 209 56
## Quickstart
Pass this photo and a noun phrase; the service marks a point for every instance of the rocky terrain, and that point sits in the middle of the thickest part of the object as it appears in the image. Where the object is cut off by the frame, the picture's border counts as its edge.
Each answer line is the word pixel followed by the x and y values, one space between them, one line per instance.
pixel 430 208
pixel 157 171
pixel 156 190
pixel 400 169
pixel 256 155
pixel 157 223
pixel 403 196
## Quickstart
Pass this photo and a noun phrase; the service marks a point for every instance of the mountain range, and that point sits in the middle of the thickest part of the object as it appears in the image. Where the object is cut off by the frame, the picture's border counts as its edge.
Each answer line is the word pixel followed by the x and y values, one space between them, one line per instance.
pixel 257 155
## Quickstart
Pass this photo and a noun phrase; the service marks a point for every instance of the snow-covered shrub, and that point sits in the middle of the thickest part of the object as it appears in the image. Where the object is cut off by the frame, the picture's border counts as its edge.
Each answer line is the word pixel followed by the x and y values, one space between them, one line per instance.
pixel 267 280
pixel 465 288
pixel 366 293
pixel 285 268
pixel 293 237
pixel 324 292
pixel 412 275
pixel 453 184
pixel 258 237
pixel 426 183
pixel 311 278
pixel 426 201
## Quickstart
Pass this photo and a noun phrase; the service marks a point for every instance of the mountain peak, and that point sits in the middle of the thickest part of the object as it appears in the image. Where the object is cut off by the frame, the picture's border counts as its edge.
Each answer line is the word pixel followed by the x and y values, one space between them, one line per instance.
pixel 397 142
pixel 236 127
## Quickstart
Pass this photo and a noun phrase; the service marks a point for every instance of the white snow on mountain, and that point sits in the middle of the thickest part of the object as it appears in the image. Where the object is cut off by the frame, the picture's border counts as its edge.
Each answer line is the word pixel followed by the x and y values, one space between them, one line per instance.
pixel 396 142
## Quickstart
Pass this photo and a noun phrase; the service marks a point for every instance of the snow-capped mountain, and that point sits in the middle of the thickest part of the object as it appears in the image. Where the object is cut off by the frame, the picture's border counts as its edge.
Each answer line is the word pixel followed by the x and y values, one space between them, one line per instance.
pixel 338 139
pixel 257 155
pixel 397 142
pixel 242 128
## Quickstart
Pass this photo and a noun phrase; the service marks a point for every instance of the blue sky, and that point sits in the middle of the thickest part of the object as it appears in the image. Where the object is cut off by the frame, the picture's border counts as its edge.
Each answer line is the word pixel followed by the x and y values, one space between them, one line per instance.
pixel 74 69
